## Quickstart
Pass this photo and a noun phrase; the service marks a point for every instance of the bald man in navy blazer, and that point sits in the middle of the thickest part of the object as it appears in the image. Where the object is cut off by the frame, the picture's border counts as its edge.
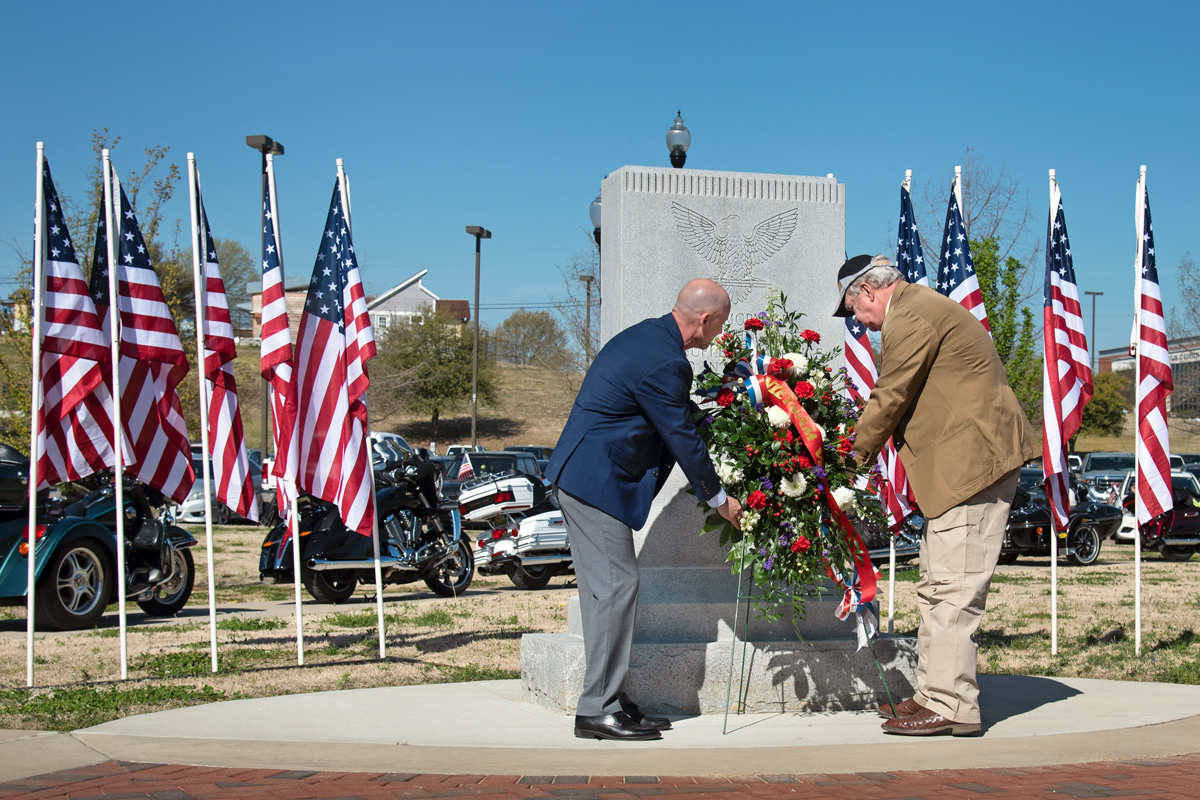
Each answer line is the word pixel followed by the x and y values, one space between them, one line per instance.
pixel 630 425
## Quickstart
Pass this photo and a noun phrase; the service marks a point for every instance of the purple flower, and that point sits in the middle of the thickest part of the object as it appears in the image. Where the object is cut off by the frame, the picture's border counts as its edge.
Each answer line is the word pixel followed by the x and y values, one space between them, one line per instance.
pixel 770 562
pixel 766 483
pixel 758 407
pixel 709 420
pixel 784 540
pixel 819 473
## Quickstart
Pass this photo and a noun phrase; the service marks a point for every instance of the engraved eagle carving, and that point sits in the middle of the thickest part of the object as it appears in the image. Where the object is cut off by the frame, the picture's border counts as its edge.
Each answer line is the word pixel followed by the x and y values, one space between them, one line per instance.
pixel 734 252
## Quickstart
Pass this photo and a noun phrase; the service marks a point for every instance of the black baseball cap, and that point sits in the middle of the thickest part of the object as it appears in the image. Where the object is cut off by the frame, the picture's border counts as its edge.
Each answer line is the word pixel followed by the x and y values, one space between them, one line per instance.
pixel 850 271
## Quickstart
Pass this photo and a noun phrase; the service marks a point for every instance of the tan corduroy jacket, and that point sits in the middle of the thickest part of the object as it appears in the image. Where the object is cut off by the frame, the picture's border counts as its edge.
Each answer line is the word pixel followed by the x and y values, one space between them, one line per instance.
pixel 943 394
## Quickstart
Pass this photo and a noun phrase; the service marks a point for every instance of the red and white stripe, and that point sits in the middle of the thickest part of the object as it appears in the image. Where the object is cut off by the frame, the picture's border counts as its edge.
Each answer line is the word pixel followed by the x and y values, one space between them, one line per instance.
pixel 152 363
pixel 230 463
pixel 331 385
pixel 276 353
pixel 1067 374
pixel 1154 371
pixel 74 417
pixel 860 367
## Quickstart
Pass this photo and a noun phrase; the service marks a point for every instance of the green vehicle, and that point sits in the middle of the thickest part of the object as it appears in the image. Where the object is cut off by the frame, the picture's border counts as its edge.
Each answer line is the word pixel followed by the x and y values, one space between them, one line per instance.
pixel 76 550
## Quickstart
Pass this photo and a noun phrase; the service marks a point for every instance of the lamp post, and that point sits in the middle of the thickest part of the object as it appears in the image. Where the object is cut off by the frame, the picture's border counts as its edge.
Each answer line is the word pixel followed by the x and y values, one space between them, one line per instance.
pixel 587 342
pixel 480 233
pixel 679 139
pixel 594 213
pixel 1095 353
pixel 267 146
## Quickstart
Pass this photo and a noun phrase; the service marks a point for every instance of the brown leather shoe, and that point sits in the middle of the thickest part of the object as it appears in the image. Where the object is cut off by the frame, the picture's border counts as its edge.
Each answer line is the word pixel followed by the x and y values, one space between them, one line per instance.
pixel 930 723
pixel 904 708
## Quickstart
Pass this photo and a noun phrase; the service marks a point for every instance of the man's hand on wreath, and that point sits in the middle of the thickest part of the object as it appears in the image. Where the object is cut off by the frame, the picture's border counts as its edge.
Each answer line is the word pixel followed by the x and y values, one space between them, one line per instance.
pixel 731 510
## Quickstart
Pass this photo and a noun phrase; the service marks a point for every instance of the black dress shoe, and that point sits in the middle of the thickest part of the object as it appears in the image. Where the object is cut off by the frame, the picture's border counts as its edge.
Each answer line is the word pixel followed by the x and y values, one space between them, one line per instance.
pixel 613 726
pixel 635 713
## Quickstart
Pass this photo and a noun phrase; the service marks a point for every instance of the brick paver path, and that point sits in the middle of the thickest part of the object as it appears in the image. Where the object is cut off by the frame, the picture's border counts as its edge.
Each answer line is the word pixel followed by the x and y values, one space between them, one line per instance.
pixel 1162 779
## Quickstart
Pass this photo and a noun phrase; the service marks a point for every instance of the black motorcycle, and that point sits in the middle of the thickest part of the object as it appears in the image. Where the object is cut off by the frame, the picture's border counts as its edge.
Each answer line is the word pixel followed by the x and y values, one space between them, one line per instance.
pixel 1029 529
pixel 418 540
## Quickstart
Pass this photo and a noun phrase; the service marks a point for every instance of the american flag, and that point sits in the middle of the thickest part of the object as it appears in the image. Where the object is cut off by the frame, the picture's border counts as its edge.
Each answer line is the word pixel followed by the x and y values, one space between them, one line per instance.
pixel 1067 377
pixel 335 343
pixel 1154 365
pixel 74 416
pixel 956 271
pixel 276 358
pixel 152 364
pixel 860 368
pixel 909 258
pixel 464 469
pixel 230 463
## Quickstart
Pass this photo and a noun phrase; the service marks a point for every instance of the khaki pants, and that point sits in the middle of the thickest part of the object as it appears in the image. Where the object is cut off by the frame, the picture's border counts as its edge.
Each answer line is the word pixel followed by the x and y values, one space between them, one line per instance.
pixel 958 557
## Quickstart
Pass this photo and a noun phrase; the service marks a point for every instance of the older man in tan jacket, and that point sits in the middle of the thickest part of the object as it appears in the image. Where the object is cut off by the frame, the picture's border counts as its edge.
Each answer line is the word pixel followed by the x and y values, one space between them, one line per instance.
pixel 943 394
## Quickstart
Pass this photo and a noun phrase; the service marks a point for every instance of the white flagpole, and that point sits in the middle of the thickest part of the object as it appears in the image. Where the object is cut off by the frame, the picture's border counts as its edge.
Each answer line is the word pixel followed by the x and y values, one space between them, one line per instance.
pixel 344 184
pixel 112 219
pixel 958 194
pixel 1139 206
pixel 39 313
pixel 1054 523
pixel 199 256
pixel 294 517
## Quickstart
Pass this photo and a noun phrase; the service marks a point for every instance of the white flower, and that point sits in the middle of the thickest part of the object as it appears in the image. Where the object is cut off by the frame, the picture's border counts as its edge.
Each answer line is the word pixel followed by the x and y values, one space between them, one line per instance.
pixel 749 518
pixel 845 498
pixel 794 486
pixel 799 364
pixel 727 471
pixel 778 417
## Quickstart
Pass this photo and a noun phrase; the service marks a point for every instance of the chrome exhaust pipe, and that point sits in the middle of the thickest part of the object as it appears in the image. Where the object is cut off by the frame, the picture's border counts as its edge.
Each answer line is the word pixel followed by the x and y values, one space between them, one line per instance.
pixel 385 562
pixel 534 561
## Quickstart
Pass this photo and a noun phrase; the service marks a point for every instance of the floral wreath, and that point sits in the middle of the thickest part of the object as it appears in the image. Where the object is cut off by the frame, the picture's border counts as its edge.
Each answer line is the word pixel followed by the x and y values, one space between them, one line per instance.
pixel 780 437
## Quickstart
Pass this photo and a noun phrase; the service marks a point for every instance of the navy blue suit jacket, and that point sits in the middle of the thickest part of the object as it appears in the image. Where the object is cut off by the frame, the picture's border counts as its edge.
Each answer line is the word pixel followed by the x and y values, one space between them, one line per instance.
pixel 631 423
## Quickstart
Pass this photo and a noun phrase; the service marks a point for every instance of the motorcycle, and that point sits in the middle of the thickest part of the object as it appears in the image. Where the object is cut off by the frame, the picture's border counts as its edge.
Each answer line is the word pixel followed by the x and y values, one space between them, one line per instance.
pixel 418 540
pixel 76 551
pixel 1029 529
pixel 1175 534
pixel 528 539
pixel 907 539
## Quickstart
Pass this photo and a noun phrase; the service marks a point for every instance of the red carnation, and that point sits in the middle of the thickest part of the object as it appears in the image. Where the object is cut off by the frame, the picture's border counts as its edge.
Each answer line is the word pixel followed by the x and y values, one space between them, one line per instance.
pixel 724 397
pixel 757 500
pixel 753 324
pixel 804 389
pixel 811 336
pixel 845 445
pixel 779 366
pixel 801 545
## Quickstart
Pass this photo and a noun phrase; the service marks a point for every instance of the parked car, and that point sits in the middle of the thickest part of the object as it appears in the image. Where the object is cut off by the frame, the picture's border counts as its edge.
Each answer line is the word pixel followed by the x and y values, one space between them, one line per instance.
pixel 191 511
pixel 459 449
pixel 1177 462
pixel 1104 471
pixel 394 438
pixel 542 454
pixel 1190 459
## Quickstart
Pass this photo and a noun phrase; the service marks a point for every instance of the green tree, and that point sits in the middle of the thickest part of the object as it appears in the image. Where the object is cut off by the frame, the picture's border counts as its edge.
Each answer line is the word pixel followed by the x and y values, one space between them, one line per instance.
pixel 1011 322
pixel 532 337
pixel 424 366
pixel 1105 414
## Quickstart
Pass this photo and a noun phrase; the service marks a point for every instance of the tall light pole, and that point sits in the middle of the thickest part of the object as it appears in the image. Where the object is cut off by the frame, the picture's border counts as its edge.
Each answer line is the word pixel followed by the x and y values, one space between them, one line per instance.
pixel 480 234
pixel 587 346
pixel 1095 352
pixel 265 145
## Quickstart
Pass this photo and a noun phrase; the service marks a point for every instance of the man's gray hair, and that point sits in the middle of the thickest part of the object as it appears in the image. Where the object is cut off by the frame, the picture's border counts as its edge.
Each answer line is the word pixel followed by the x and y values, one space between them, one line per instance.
pixel 878 277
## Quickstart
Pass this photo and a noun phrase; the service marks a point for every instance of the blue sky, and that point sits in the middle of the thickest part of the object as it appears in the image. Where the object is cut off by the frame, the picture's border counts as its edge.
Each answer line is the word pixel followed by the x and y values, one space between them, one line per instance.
pixel 508 115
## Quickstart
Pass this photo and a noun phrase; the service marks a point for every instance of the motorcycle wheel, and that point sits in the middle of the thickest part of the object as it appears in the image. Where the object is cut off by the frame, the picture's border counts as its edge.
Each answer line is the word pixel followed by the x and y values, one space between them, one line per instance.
pixel 1085 543
pixel 173 595
pixel 221 513
pixel 1170 553
pixel 75 589
pixel 455 574
pixel 330 586
pixel 1007 557
pixel 531 577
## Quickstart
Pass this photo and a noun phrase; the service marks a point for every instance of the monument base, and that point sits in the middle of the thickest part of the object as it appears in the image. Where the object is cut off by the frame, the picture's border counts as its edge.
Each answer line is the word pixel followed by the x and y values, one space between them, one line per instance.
pixel 693 677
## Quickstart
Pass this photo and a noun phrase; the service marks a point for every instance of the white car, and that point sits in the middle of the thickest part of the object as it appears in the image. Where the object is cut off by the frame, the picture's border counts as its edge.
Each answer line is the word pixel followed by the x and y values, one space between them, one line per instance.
pixel 1179 480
